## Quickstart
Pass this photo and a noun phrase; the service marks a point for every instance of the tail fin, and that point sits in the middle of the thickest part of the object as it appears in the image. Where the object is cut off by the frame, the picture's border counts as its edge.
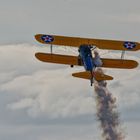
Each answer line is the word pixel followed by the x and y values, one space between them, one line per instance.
pixel 97 75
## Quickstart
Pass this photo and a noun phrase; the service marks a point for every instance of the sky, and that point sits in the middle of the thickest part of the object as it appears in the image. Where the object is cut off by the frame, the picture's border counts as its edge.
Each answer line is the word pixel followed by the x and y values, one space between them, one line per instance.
pixel 40 101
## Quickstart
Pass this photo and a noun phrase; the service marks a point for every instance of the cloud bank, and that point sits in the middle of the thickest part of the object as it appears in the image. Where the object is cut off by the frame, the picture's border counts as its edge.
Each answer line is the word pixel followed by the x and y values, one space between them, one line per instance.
pixel 34 93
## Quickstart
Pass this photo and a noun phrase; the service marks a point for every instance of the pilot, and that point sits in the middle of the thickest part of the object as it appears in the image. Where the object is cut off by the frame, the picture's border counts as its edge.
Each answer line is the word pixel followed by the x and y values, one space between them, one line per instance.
pixel 97 60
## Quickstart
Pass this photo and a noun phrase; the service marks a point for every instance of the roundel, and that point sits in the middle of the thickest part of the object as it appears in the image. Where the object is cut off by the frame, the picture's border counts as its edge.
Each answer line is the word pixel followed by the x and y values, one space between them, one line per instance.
pixel 129 45
pixel 47 38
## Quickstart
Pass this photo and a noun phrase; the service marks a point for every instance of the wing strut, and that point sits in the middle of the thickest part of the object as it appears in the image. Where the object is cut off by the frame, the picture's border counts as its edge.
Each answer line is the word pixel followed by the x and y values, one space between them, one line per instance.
pixel 51 49
pixel 122 55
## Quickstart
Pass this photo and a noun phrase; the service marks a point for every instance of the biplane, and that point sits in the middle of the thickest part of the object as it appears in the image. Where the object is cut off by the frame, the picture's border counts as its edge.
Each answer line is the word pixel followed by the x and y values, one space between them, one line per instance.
pixel 85 57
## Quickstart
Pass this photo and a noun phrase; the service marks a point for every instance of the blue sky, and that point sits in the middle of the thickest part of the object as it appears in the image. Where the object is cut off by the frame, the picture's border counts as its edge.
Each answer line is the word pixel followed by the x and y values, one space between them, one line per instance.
pixel 40 101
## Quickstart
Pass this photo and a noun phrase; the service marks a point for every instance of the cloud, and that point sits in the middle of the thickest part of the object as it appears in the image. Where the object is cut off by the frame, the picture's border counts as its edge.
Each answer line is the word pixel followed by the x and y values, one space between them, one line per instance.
pixel 50 95
pixel 40 93
pixel 42 89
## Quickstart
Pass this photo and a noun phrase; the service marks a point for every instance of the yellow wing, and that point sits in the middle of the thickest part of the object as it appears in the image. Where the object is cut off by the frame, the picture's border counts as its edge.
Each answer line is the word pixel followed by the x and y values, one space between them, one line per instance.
pixel 77 41
pixel 59 59
pixel 119 63
pixel 87 75
pixel 74 60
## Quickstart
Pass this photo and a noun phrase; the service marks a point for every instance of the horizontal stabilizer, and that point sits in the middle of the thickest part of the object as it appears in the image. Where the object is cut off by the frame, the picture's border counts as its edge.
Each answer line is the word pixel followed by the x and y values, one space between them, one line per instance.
pixel 87 75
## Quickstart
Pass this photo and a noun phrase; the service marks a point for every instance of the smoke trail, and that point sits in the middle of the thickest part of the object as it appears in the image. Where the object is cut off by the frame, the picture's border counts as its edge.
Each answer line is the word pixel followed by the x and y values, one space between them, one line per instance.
pixel 106 111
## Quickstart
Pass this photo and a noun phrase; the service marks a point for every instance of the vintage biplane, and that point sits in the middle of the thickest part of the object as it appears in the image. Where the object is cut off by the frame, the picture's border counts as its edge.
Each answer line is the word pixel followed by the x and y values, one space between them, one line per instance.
pixel 85 57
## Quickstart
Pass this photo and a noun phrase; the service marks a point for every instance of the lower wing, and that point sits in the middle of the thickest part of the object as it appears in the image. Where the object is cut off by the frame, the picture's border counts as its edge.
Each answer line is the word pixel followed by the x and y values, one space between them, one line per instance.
pixel 74 60
pixel 58 59
pixel 119 63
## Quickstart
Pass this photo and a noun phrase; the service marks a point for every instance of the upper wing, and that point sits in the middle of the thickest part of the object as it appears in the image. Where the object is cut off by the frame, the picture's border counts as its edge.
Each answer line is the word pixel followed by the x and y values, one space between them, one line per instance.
pixel 77 41
pixel 74 60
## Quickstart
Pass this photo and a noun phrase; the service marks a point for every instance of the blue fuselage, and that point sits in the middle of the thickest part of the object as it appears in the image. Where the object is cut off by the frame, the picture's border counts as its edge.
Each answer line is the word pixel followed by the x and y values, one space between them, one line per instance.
pixel 86 57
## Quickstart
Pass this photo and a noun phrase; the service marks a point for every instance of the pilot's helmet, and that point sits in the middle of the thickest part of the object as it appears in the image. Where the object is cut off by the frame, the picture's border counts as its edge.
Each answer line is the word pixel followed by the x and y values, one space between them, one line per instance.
pixel 96 52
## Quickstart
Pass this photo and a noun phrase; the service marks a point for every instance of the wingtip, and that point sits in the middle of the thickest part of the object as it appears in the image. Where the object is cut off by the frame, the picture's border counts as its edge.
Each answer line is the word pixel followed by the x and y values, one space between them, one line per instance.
pixel 38 38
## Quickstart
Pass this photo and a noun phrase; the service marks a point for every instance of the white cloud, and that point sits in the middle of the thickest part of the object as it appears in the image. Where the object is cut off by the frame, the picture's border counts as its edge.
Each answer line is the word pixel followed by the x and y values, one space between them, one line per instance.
pixel 42 90
pixel 23 104
pixel 51 96
pixel 33 90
